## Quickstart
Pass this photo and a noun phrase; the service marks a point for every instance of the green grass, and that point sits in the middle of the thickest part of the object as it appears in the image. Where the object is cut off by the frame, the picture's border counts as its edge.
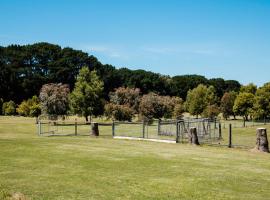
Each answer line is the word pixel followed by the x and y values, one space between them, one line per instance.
pixel 82 167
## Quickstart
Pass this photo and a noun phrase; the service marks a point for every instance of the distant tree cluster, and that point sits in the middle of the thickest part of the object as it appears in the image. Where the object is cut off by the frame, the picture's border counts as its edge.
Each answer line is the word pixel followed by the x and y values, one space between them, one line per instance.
pixel 24 69
pixel 69 81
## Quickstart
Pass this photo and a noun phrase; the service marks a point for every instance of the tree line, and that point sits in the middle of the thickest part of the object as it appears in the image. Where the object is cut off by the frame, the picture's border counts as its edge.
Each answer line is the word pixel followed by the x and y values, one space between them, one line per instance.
pixel 124 103
pixel 25 68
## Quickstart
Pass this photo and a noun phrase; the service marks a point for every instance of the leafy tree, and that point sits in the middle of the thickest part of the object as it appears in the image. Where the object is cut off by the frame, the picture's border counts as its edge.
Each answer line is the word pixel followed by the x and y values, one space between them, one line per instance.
pixel 250 88
pixel 9 108
pixel 180 85
pixel 151 107
pixel 126 96
pixel 211 111
pixel 54 99
pixel 262 102
pixel 196 100
pixel 227 103
pixel 211 97
pixel 243 104
pixel 118 112
pixel 87 93
pixel 178 110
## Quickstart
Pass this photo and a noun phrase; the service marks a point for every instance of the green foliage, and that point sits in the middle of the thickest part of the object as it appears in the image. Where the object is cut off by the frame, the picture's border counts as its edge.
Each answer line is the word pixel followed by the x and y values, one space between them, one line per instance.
pixel 54 99
pixel 243 104
pixel 1 105
pixel 196 100
pixel 261 107
pixel 227 103
pixel 29 108
pixel 25 68
pixel 9 108
pixel 178 110
pixel 86 95
pixel 211 111
pixel 118 112
pixel 250 88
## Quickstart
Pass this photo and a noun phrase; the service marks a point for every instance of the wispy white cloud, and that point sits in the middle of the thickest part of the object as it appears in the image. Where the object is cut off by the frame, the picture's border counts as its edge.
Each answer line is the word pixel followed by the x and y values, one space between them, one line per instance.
pixel 107 50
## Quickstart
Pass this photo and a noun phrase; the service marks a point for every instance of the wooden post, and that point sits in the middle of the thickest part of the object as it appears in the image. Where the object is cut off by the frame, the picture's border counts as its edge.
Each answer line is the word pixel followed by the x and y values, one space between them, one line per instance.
pixel 262 141
pixel 113 129
pixel 219 131
pixel 143 123
pixel 76 127
pixel 159 126
pixel 94 129
pixel 39 127
pixel 193 137
pixel 230 136
pixel 177 132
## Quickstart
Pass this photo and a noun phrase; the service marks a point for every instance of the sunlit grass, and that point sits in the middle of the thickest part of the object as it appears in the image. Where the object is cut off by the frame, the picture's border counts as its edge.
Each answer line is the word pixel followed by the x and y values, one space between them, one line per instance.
pixel 86 167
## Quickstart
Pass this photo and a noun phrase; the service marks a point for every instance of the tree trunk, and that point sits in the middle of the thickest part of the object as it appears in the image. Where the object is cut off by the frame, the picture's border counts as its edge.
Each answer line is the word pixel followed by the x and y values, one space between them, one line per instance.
pixel 86 118
pixel 262 141
pixel 94 129
pixel 193 137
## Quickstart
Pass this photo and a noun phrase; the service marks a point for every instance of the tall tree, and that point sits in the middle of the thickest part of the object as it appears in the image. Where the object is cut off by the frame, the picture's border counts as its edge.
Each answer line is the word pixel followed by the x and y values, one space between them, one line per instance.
pixel 243 104
pixel 262 102
pixel 196 100
pixel 86 95
pixel 227 103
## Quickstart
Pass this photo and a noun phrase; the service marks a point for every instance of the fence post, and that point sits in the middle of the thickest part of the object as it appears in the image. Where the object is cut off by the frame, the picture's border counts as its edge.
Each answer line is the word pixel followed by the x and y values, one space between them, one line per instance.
pixel 219 131
pixel 143 128
pixel 76 128
pixel 159 126
pixel 230 136
pixel 177 132
pixel 113 129
pixel 39 128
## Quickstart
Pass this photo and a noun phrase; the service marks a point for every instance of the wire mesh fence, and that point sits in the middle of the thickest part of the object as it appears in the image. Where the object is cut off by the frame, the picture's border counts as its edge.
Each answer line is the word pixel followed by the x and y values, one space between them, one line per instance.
pixel 70 128
pixel 211 132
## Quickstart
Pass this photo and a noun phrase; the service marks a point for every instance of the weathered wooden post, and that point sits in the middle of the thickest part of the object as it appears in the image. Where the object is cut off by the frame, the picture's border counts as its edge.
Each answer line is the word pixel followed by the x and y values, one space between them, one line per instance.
pixel 219 131
pixel 262 141
pixel 230 136
pixel 177 132
pixel 113 129
pixel 39 128
pixel 193 137
pixel 76 127
pixel 94 129
pixel 159 120
pixel 143 131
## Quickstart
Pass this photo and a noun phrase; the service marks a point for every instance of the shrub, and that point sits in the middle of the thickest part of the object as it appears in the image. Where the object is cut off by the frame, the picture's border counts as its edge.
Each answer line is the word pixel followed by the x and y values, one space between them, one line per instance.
pixel 1 105
pixel 31 107
pixel 118 112
pixel 9 108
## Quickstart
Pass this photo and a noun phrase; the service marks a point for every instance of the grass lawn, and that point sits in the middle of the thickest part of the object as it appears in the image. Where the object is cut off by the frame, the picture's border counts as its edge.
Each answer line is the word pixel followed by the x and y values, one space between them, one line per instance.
pixel 83 167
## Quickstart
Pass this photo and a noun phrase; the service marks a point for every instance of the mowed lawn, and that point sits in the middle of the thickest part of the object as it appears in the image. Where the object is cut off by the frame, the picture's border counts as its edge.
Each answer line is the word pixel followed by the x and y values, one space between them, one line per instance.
pixel 82 167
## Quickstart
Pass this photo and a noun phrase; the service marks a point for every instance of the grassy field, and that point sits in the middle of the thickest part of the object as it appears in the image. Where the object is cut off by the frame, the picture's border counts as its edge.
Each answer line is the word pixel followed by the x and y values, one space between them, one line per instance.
pixel 84 167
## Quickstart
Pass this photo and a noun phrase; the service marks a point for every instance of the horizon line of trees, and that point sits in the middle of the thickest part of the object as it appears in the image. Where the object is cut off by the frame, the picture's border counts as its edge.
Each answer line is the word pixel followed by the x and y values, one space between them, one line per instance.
pixel 24 69
pixel 87 100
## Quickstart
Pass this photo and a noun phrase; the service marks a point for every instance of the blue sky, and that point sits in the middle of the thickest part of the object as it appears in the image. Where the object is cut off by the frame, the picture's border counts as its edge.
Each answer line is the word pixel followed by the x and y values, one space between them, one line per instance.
pixel 217 38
